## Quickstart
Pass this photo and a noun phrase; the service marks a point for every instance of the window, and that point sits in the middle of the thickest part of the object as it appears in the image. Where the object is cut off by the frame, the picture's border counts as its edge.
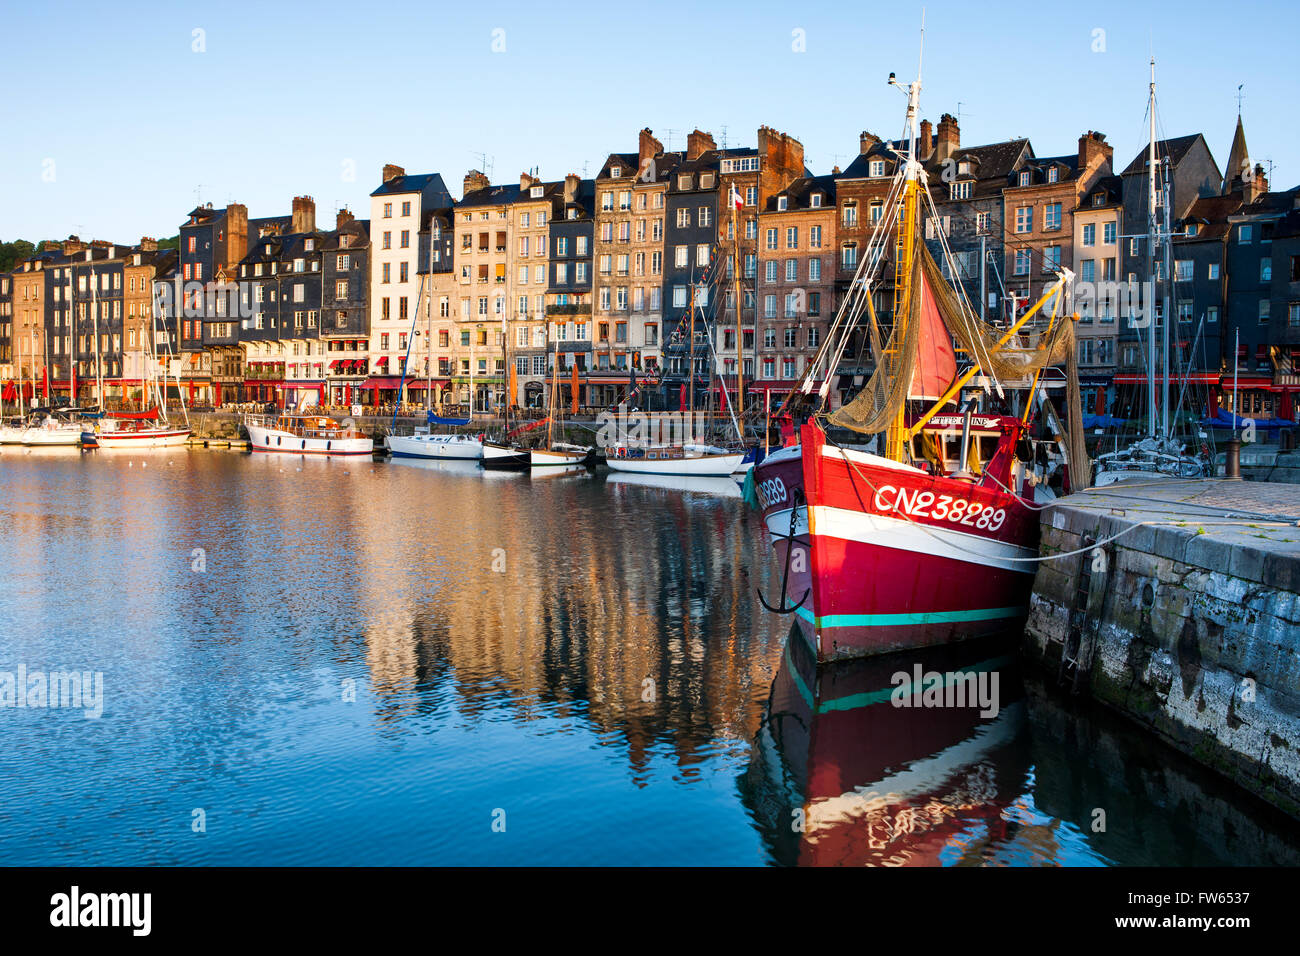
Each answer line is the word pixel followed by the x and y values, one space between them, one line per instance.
pixel 706 216
pixel 1025 217
pixel 1264 306
pixel 1090 234
pixel 814 270
pixel 681 256
pixel 1088 270
pixel 1023 179
pixel 1266 269
pixel 679 296
pixel 1051 258
pixel 814 237
pixel 770 273
pixel 849 255
pixel 876 168
pixel 388 210
pixel 683 218
pixel 792 237
pixel 406 238
pixel 403 272
pixel 1108 233
pixel 1245 234
pixel 782 203
pixel 791 270
pixel 1022 262
pixel 701 255
pixel 1053 175
pixel 1213 272
pixel 341 289
pixel 1183 270
pixel 981 223
pixel 850 214
pixel 959 190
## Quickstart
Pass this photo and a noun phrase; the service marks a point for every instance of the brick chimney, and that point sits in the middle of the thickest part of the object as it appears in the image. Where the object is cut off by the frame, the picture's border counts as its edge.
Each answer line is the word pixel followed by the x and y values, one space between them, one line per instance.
pixel 148 244
pixel 1254 186
pixel 1094 151
pixel 698 143
pixel 866 141
pixel 73 244
pixel 647 147
pixel 526 180
pixel 780 162
pixel 391 172
pixel 304 214
pixel 343 217
pixel 236 235
pixel 949 140
pixel 926 145
pixel 474 180
pixel 571 182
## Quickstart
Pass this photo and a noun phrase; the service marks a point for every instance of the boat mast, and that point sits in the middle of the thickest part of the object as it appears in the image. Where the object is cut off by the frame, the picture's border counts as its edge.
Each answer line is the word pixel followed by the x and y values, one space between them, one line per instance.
pixel 434 233
pixel 94 317
pixel 895 435
pixel 740 335
pixel 1151 254
pixel 690 361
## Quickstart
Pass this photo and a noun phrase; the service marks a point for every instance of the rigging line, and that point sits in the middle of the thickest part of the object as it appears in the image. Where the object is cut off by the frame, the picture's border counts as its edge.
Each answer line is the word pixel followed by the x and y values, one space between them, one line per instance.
pixel 953 544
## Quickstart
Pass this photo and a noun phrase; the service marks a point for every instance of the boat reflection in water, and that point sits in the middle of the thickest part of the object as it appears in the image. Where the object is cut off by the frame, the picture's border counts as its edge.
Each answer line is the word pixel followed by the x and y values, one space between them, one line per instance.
pixel 843 774
pixel 718 487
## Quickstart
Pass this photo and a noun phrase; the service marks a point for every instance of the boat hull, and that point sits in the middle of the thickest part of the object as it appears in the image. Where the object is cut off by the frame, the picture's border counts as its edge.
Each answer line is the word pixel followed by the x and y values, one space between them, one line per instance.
pixel 450 447
pixel 545 458
pixel 274 440
pixel 51 437
pixel 700 466
pixel 149 438
pixel 504 457
pixel 886 557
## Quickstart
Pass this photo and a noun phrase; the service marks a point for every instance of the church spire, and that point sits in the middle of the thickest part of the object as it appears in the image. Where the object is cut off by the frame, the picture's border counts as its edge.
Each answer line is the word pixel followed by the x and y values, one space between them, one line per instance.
pixel 1238 167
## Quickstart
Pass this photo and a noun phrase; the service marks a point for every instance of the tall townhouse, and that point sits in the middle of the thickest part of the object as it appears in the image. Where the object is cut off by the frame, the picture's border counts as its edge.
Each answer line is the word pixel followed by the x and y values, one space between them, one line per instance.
pixel 533 216
pixel 862 194
pixel 1284 312
pixel 967 184
pixel 568 294
pixel 6 328
pixel 143 265
pixel 429 371
pixel 208 323
pixel 1189 173
pixel 1262 323
pixel 31 348
pixel 1097 220
pixel 628 294
pixel 483 260
pixel 691 273
pixel 1039 205
pixel 396 207
pixel 796 281
pixel 84 287
pixel 345 308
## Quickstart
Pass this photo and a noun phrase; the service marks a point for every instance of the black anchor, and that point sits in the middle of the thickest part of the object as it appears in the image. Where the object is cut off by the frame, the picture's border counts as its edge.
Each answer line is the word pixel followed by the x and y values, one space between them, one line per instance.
pixel 785 573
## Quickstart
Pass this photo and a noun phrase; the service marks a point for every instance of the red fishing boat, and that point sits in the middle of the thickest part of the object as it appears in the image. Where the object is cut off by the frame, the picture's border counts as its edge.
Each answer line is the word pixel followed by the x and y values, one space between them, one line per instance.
pixel 928 535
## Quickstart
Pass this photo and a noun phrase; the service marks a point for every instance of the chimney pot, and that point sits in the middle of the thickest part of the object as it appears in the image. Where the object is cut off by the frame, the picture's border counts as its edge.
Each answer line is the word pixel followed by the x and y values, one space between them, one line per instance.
pixel 392 172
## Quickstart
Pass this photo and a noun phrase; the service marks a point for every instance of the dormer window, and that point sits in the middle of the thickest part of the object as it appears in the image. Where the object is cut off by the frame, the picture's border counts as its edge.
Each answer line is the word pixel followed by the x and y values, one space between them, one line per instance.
pixel 88 255
pixel 815 200
pixel 781 203
pixel 706 181
pixel 963 168
pixel 1099 199
pixel 573 214
pixel 959 190
pixel 309 245
pixel 615 172
pixel 684 181
pixel 877 167
pixel 1053 174
pixel 1193 228
pixel 1024 179
pixel 344 241
pixel 535 192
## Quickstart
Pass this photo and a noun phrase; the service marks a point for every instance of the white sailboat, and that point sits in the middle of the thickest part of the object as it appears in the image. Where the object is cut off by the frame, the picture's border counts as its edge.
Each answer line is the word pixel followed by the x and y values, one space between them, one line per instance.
pixel 1158 455
pixel 557 454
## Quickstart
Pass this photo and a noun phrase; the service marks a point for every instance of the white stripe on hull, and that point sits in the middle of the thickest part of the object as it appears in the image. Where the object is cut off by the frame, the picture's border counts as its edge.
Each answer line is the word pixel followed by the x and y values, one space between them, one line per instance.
pixel 888 532
pixel 267 439
pixel 453 447
pixel 171 439
pixel 541 458
pixel 718 466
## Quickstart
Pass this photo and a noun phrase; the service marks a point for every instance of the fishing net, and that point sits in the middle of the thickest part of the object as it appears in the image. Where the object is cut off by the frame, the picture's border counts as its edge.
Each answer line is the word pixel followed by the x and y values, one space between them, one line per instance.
pixel 1041 343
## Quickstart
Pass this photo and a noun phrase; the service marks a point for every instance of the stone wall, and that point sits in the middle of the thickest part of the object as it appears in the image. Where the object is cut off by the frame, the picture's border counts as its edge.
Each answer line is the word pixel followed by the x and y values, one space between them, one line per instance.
pixel 1190 622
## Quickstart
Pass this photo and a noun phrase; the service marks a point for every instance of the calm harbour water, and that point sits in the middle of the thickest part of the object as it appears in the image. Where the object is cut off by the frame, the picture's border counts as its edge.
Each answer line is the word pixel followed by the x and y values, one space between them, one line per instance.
pixel 581 658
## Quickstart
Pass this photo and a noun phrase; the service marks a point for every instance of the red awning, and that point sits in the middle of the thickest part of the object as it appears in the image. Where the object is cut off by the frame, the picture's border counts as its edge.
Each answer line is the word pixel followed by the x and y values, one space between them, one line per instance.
pixel 381 382
pixel 381 362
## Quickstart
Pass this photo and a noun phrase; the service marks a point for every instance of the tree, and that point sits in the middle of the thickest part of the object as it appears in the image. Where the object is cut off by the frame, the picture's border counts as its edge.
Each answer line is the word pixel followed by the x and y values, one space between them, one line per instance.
pixel 11 253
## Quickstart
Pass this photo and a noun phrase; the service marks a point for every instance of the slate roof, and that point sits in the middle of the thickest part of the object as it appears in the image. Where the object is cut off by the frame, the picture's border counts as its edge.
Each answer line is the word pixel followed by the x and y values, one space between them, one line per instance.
pixel 1175 149
pixel 415 183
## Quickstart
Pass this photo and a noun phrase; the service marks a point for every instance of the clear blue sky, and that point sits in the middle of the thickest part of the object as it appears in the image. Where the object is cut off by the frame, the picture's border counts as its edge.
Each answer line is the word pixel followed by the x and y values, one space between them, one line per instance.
pixel 285 94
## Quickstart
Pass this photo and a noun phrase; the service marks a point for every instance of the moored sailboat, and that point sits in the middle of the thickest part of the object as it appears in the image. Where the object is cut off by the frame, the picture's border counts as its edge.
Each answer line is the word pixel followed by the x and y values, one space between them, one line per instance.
pixel 934 539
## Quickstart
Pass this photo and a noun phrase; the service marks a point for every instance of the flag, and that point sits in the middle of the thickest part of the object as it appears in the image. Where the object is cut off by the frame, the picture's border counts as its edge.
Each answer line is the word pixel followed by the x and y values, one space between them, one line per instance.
pixel 574 386
pixel 736 199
